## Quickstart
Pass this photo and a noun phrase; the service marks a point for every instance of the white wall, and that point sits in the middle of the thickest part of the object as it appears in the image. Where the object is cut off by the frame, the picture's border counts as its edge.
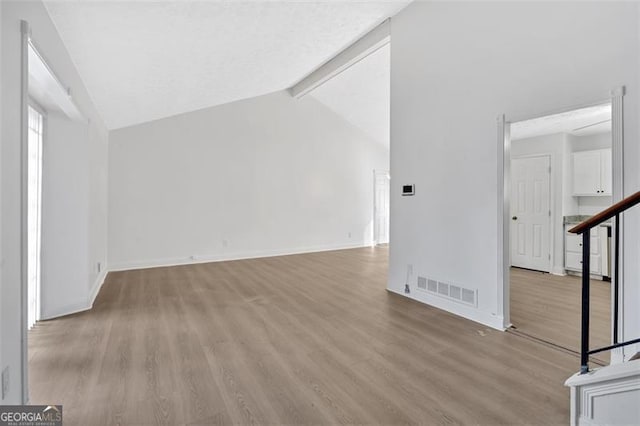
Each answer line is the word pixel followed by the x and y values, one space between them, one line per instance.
pixel 455 67
pixel 554 147
pixel 263 176
pixel 74 164
pixel 590 142
pixel 65 217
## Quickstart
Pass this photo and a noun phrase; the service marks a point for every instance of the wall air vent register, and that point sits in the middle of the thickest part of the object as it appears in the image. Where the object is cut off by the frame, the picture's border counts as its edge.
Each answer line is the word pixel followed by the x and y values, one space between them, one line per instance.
pixel 448 291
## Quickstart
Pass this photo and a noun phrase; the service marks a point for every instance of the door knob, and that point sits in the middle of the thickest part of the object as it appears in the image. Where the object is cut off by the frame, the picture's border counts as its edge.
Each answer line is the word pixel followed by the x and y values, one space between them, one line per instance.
pixel 514 218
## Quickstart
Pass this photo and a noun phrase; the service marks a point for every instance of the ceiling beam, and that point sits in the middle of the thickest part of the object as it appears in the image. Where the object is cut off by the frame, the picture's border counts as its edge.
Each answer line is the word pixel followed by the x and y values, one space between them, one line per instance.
pixel 46 88
pixel 360 49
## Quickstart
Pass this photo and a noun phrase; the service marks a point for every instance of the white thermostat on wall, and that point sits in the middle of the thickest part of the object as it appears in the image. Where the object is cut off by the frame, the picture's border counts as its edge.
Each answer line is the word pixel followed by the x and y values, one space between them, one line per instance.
pixel 408 189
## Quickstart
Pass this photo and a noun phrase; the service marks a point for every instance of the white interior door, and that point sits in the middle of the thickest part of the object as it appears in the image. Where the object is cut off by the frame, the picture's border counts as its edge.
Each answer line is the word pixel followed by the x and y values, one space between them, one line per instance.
pixel 530 213
pixel 381 207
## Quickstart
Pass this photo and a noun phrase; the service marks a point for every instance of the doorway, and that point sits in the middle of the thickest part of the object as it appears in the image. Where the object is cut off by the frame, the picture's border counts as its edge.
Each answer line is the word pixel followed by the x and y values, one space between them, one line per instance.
pixel 381 187
pixel 34 196
pixel 44 100
pixel 562 166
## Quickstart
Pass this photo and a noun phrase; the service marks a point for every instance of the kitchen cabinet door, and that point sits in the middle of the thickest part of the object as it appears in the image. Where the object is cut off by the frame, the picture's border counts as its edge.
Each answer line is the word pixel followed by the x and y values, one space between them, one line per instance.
pixel 573 250
pixel 606 172
pixel 573 261
pixel 586 173
pixel 574 243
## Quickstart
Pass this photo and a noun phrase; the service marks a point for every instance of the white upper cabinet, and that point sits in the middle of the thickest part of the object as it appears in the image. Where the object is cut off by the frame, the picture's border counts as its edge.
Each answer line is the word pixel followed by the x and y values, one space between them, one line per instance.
pixel 606 172
pixel 592 173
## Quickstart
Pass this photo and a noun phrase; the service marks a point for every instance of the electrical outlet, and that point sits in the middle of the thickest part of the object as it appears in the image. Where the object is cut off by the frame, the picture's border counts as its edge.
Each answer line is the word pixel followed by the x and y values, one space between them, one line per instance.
pixel 99 267
pixel 5 382
pixel 349 234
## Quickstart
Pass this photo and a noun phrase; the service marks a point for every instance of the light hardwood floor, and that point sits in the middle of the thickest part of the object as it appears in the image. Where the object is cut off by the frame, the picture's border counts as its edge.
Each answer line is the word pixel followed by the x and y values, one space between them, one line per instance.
pixel 304 339
pixel 548 307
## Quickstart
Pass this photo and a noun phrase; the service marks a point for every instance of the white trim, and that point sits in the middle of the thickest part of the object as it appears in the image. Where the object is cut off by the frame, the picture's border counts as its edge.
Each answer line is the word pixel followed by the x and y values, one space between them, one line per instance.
pixel 617 159
pixel 38 296
pixel 604 100
pixel 72 308
pixel 374 239
pixel 375 236
pixel 159 263
pixel 24 135
pixel 466 311
pixel 606 381
pixel 360 49
pixel 48 82
pixel 604 374
pixel 504 251
pixel 97 285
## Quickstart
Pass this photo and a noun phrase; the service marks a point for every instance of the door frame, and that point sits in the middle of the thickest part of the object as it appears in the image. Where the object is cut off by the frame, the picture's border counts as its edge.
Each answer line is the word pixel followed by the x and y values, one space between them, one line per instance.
pixel 552 206
pixel 377 173
pixel 32 103
pixel 25 31
pixel 616 98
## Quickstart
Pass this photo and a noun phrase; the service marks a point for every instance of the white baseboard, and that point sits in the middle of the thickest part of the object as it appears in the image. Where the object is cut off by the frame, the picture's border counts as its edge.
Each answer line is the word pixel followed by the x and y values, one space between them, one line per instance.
pixel 473 314
pixel 160 263
pixel 72 308
pixel 97 285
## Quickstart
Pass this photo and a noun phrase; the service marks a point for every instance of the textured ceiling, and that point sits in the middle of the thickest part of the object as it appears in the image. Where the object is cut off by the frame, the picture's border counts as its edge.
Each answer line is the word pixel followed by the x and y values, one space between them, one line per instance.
pixel 361 95
pixel 579 122
pixel 143 61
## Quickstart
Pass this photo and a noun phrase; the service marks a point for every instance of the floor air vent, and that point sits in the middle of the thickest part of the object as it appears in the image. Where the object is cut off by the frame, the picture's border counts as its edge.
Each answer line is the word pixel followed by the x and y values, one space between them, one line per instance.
pixel 448 291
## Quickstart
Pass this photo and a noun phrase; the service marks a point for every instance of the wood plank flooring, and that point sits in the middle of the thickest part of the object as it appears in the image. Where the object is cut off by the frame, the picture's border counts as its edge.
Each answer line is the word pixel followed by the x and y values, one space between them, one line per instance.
pixel 548 307
pixel 304 339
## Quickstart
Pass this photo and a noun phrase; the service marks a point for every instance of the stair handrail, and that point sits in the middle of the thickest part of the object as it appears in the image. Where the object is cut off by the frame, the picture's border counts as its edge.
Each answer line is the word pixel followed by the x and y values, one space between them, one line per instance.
pixel 607 214
pixel 584 229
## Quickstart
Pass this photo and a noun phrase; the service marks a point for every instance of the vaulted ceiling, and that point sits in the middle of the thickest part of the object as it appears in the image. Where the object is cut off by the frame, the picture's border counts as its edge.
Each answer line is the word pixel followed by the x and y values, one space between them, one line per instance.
pixel 362 95
pixel 142 61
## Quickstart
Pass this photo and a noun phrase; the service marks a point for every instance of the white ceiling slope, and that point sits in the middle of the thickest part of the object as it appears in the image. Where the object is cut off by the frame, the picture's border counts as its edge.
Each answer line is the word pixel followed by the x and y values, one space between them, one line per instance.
pixel 143 61
pixel 362 95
